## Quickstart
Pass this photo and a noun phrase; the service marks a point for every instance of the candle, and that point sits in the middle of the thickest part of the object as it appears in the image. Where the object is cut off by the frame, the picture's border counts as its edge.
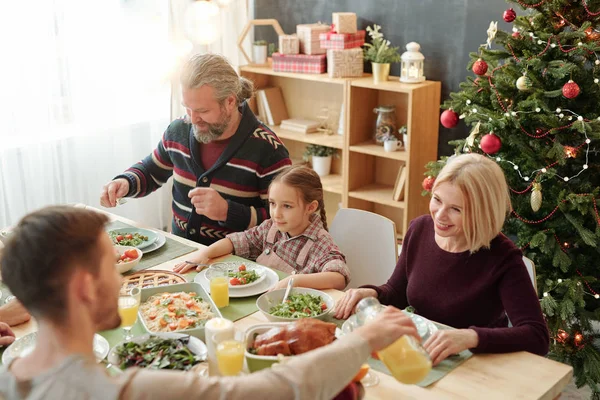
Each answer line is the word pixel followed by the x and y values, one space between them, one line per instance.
pixel 222 327
pixel 413 72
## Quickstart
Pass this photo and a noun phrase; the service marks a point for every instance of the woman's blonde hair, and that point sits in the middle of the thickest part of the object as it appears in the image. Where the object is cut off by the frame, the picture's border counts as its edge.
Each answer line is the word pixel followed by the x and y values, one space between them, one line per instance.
pixel 215 71
pixel 308 183
pixel 485 193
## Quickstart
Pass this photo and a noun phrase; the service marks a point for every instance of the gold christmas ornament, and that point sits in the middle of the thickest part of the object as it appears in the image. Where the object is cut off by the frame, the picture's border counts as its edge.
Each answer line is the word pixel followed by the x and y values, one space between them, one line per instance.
pixel 523 83
pixel 536 197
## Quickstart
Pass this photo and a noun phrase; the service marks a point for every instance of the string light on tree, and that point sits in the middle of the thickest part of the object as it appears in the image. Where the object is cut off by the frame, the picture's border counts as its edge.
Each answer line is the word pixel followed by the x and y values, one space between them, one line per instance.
pixel 570 152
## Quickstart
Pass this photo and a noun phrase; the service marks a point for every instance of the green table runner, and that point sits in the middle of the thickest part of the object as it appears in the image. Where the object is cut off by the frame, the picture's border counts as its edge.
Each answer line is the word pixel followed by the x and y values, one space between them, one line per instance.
pixel 437 372
pixel 169 251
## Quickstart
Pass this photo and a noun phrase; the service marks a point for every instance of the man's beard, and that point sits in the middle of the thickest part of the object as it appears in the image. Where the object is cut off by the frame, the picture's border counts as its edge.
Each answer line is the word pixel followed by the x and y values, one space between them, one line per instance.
pixel 214 132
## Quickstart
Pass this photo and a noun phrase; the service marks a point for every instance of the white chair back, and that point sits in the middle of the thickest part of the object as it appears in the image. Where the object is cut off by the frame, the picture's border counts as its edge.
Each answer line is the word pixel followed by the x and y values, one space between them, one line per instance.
pixel 531 271
pixel 368 241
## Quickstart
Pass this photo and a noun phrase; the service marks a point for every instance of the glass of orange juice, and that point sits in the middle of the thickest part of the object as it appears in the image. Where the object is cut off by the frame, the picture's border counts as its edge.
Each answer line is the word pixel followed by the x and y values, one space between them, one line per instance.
pixel 230 352
pixel 219 286
pixel 406 359
pixel 129 303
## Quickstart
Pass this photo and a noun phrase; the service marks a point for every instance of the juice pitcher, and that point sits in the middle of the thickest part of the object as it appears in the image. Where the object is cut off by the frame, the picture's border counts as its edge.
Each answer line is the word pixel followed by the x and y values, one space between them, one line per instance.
pixel 406 359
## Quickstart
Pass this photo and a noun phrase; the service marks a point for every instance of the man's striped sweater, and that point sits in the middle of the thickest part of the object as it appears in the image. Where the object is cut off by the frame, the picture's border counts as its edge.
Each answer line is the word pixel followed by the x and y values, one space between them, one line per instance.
pixel 241 175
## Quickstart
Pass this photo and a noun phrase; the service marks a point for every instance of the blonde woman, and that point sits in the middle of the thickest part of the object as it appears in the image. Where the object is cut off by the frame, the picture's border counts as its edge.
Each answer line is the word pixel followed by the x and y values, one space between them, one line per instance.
pixel 457 268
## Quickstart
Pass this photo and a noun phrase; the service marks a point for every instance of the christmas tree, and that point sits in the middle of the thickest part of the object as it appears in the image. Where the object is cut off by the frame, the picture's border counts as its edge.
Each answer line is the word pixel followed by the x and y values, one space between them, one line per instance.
pixel 533 105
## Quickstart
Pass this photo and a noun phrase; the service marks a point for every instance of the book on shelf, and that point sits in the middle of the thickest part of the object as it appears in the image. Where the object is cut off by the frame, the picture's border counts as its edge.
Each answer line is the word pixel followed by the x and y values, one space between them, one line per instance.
pixel 398 194
pixel 300 125
pixel 273 105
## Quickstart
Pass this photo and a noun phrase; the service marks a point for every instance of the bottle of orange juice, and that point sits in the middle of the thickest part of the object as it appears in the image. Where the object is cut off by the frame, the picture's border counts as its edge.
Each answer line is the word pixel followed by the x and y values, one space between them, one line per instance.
pixel 406 359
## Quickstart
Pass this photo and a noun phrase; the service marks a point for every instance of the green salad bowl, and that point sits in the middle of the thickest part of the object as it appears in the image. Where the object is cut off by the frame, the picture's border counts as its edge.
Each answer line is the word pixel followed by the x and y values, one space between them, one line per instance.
pixel 270 299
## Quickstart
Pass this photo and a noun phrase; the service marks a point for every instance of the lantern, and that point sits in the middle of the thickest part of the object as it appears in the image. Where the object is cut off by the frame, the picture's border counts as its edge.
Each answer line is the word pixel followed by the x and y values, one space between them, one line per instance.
pixel 411 70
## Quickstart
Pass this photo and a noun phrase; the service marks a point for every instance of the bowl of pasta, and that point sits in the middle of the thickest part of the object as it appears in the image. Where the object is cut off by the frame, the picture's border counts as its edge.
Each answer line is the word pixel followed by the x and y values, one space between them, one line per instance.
pixel 181 308
pixel 301 303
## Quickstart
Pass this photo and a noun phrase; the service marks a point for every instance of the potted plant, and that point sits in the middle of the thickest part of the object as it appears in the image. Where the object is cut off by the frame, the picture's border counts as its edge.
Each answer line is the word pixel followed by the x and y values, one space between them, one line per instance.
pixel 380 53
pixel 259 52
pixel 321 158
pixel 270 50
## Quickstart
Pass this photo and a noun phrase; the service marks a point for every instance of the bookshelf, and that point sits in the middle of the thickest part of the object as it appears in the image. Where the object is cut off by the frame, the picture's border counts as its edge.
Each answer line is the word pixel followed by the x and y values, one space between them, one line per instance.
pixel 363 175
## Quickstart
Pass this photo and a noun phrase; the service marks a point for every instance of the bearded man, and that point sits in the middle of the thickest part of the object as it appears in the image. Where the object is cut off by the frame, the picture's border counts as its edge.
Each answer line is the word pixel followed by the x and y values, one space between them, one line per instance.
pixel 221 157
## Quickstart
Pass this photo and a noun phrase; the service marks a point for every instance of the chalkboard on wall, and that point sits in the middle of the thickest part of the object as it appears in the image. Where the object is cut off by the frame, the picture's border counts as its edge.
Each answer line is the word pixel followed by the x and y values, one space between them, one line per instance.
pixel 447 30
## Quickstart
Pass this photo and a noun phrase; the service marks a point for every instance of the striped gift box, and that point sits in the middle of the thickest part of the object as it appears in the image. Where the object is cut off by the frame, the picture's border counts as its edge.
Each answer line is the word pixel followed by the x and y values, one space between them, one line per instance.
pixel 302 63
pixel 345 63
pixel 341 41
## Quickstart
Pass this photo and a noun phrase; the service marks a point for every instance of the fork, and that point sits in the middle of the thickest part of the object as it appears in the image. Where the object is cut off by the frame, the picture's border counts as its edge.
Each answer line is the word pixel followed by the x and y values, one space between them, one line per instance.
pixel 197 265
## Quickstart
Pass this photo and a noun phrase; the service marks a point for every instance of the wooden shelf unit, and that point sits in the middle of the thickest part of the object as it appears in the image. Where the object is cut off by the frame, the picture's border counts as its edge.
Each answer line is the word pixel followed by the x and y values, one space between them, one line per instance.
pixel 363 175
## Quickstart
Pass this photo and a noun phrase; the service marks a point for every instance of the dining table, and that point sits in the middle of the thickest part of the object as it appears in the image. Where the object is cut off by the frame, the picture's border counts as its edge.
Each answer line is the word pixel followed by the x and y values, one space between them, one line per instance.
pixel 518 375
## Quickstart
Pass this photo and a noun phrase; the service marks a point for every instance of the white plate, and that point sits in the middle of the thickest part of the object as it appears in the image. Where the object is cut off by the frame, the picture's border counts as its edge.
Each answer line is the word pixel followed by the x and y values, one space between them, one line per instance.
pixel 195 345
pixel 233 266
pixel 25 345
pixel 271 279
pixel 160 241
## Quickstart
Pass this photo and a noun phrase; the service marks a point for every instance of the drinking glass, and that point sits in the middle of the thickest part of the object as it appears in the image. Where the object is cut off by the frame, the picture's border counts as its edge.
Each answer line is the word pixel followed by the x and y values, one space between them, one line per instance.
pixel 230 351
pixel 219 286
pixel 129 303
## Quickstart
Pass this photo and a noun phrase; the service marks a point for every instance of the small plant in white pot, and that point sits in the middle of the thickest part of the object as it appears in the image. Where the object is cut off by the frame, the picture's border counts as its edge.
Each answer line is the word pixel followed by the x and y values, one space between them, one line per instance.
pixel 259 52
pixel 321 158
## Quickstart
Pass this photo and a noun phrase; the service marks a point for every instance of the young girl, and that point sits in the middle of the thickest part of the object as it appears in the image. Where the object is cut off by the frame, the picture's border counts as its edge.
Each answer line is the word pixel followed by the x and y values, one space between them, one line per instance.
pixel 295 240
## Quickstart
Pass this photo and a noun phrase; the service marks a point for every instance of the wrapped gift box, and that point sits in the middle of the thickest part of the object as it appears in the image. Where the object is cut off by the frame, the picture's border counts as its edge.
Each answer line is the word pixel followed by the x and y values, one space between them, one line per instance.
pixel 344 22
pixel 289 44
pixel 345 63
pixel 302 63
pixel 340 41
pixel 308 34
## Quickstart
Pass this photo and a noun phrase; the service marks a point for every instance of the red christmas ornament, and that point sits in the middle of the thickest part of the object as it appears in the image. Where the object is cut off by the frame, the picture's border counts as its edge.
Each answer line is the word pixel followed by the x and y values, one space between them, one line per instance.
pixel 539 131
pixel 570 90
pixel 490 143
pixel 480 67
pixel 562 336
pixel 516 35
pixel 449 118
pixel 509 15
pixel 428 183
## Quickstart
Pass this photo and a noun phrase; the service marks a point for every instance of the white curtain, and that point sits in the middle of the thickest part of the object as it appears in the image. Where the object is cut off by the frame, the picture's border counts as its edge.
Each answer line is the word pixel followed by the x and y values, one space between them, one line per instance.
pixel 233 16
pixel 85 94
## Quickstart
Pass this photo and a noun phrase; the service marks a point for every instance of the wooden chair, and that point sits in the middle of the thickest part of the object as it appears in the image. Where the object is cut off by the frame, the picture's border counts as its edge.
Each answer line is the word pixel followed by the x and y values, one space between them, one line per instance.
pixel 368 241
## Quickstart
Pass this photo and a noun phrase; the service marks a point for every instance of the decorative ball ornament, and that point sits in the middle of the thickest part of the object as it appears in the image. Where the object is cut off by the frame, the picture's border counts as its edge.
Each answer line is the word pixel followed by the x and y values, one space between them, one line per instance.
pixel 562 336
pixel 428 183
pixel 578 339
pixel 536 197
pixel 449 118
pixel 539 131
pixel 490 143
pixel 509 15
pixel 570 90
pixel 516 35
pixel 480 67
pixel 523 83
